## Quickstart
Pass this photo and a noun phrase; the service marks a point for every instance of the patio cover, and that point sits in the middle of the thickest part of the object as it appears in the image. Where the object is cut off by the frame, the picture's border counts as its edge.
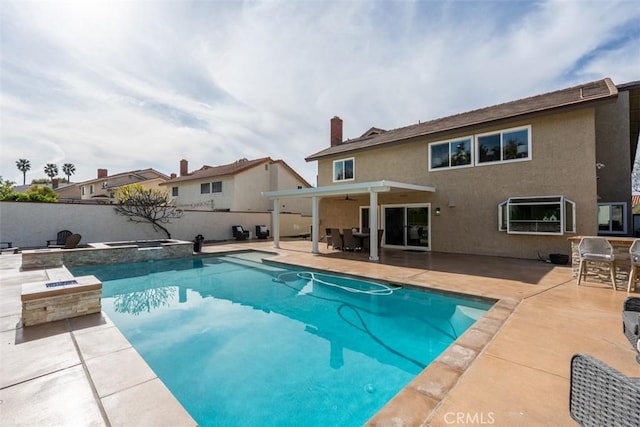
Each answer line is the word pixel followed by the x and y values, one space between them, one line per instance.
pixel 372 188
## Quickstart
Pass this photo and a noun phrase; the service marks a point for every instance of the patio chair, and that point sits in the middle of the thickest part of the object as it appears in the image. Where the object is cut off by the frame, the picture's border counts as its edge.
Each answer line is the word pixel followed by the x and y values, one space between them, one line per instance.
pixel 601 396
pixel 596 249
pixel 631 323
pixel 239 232
pixel 262 232
pixel 349 243
pixel 335 238
pixel 634 261
pixel 60 240
pixel 71 243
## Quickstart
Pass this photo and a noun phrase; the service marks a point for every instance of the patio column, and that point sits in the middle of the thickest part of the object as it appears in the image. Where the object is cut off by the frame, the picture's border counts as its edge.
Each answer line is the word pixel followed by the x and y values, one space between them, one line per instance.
pixel 373 226
pixel 315 224
pixel 275 219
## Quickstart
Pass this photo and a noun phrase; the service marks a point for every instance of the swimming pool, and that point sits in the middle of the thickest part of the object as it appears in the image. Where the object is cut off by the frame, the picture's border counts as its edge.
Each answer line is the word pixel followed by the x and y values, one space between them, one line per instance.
pixel 240 342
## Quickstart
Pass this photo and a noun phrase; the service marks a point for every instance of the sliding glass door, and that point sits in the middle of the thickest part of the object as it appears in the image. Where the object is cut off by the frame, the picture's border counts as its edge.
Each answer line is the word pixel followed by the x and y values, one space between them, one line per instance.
pixel 406 226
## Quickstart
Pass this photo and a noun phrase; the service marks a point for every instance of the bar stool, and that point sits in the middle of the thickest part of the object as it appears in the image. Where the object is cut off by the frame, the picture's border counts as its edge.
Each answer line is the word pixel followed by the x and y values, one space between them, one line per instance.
pixel 596 249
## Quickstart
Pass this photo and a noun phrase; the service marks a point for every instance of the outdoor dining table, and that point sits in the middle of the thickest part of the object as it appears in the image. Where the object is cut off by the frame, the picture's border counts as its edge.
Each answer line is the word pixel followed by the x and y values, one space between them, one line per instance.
pixel 361 237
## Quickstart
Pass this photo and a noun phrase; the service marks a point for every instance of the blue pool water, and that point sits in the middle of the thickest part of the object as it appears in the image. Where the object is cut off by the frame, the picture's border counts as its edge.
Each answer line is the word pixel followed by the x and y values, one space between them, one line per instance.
pixel 240 342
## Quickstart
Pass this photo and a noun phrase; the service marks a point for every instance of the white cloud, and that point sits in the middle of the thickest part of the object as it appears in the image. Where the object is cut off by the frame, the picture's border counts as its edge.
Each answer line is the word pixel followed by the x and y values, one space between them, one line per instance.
pixel 127 85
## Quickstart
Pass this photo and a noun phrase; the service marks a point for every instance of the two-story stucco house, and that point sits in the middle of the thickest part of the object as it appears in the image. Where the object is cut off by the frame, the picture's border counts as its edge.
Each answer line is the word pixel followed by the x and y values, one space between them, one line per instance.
pixel 516 179
pixel 103 188
pixel 236 186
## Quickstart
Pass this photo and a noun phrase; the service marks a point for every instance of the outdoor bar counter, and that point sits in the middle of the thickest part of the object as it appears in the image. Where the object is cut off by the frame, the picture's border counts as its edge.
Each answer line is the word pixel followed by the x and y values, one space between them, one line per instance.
pixel 600 272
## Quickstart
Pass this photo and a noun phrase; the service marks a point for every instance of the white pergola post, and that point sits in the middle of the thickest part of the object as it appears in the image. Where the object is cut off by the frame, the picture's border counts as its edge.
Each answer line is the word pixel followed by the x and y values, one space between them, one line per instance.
pixel 275 219
pixel 373 226
pixel 315 224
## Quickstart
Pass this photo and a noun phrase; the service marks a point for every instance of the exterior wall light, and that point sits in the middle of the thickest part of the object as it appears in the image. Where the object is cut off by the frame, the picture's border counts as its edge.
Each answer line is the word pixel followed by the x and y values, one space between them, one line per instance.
pixel 437 211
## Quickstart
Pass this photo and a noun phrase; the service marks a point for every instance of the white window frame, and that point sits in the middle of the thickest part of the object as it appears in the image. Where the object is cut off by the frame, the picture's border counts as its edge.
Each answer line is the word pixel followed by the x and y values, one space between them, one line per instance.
pixel 567 220
pixel 82 190
pixel 529 157
pixel 624 218
pixel 175 191
pixel 208 188
pixel 333 171
pixel 91 189
pixel 449 142
pixel 213 187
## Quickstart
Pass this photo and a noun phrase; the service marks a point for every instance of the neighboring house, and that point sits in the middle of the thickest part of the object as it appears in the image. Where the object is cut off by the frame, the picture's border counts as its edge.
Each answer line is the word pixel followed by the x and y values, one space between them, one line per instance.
pixel 236 186
pixel 103 188
pixel 515 179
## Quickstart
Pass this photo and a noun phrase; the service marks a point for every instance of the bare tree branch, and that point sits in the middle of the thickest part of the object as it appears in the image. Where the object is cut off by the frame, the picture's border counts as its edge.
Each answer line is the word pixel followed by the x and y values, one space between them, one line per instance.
pixel 142 205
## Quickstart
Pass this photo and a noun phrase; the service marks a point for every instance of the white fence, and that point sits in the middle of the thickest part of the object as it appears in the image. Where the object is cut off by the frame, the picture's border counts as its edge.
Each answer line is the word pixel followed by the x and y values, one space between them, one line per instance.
pixel 28 225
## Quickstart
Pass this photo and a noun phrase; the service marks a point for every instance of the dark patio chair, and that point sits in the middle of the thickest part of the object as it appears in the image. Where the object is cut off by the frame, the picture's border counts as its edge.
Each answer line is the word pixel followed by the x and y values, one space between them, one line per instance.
pixel 349 242
pixel 60 240
pixel 631 323
pixel 334 239
pixel 601 396
pixel 71 242
pixel 262 232
pixel 239 232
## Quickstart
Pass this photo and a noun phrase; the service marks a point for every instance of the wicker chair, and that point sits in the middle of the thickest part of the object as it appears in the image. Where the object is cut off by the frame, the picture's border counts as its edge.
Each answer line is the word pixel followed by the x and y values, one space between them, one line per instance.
pixel 634 261
pixel 601 396
pixel 631 322
pixel 349 242
pixel 596 249
pixel 334 239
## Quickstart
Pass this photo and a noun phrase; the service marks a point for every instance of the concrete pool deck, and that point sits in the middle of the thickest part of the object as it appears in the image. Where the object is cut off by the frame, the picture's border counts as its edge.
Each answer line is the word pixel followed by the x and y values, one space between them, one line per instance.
pixel 82 371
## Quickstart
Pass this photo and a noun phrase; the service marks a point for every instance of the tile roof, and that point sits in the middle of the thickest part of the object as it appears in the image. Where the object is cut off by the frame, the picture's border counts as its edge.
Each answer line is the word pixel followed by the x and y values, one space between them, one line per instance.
pixel 585 93
pixel 137 173
pixel 222 170
pixel 230 169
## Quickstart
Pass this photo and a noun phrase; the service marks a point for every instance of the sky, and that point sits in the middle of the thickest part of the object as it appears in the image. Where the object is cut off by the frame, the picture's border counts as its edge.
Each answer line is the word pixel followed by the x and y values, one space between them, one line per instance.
pixel 127 85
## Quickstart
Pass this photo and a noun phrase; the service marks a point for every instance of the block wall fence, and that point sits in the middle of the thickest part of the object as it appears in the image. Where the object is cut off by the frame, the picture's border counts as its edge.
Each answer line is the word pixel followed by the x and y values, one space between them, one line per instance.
pixel 30 225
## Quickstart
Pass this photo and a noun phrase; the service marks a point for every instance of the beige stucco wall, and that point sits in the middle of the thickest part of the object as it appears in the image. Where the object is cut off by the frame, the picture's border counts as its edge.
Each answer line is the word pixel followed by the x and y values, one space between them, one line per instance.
pixel 563 163
pixel 612 126
pixel 189 196
pixel 249 185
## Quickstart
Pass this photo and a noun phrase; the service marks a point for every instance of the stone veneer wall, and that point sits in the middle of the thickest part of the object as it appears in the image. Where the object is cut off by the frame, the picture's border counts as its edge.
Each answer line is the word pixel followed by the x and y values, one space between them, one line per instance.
pixel 41 304
pixel 599 272
pixel 51 258
pixel 117 255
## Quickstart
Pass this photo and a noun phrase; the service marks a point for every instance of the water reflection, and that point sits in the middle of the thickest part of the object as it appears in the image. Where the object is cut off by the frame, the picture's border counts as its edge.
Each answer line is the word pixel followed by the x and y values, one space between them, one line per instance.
pixel 143 301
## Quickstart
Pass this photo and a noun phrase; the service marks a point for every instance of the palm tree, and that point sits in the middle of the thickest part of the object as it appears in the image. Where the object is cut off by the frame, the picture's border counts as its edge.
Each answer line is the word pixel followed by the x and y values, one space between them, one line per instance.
pixel 51 170
pixel 68 170
pixel 23 166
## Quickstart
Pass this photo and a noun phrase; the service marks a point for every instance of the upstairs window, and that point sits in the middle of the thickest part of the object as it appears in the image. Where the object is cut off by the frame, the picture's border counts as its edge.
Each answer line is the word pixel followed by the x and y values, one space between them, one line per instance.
pixel 205 188
pixel 174 191
pixel 553 215
pixel 503 146
pixel 450 154
pixel 82 191
pixel 216 187
pixel 343 170
pixel 91 189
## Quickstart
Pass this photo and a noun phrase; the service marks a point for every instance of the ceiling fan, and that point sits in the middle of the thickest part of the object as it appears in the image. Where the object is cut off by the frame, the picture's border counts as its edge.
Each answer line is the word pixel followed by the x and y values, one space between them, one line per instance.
pixel 349 199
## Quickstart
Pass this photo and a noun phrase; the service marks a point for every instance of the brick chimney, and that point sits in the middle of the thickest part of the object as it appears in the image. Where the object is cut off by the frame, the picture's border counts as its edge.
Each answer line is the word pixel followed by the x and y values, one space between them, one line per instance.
pixel 173 176
pixel 184 167
pixel 336 131
pixel 102 173
pixel 55 182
